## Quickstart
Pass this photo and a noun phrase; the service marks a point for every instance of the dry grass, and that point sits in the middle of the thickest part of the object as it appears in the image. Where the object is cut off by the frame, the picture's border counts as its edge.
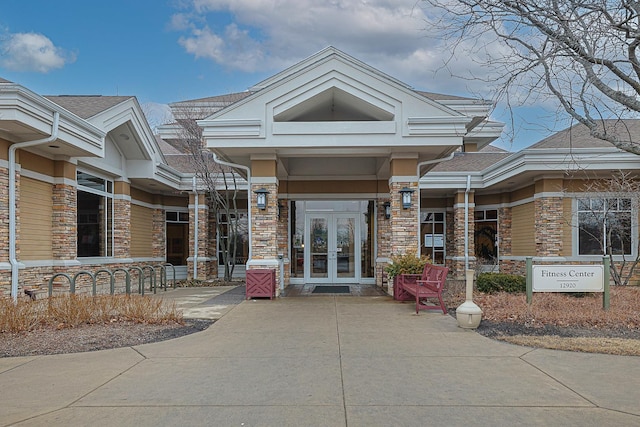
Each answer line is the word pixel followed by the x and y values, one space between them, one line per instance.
pixel 617 346
pixel 73 310
pixel 565 310
pixel 614 331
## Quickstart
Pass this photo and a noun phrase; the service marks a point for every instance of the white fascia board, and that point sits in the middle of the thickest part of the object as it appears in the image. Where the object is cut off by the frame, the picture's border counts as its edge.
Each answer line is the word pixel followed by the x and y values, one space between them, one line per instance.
pixel 168 176
pixel 243 128
pixel 170 131
pixel 140 169
pixel 437 126
pixel 186 182
pixel 471 108
pixel 327 54
pixel 542 161
pixel 561 160
pixel 451 180
pixel 487 129
pixel 333 128
pixel 324 80
pixel 22 105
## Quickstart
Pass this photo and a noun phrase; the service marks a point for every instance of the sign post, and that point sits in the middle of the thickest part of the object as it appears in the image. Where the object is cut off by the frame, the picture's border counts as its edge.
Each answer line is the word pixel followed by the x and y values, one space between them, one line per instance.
pixel 529 279
pixel 605 296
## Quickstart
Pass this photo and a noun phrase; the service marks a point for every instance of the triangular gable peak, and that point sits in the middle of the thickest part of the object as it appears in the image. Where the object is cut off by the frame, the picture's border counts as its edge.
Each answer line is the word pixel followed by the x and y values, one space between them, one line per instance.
pixel 131 149
pixel 331 105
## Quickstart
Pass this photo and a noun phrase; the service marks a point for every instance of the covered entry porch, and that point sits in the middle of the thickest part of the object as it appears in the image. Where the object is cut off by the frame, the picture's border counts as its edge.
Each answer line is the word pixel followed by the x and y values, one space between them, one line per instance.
pixel 333 151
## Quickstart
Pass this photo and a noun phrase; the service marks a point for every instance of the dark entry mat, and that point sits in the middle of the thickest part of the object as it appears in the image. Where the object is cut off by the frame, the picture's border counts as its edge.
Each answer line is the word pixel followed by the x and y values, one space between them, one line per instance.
pixel 331 290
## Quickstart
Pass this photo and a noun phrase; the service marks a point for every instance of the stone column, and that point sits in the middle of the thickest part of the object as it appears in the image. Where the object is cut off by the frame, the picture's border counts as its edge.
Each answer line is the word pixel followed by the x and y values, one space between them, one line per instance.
pixel 384 239
pixel 122 219
pixel 65 212
pixel 404 223
pixel 549 217
pixel 459 237
pixel 202 226
pixel 159 230
pixel 264 222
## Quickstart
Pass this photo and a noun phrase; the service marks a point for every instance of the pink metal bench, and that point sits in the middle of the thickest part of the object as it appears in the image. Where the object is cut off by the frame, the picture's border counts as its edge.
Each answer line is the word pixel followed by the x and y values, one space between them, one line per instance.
pixel 427 285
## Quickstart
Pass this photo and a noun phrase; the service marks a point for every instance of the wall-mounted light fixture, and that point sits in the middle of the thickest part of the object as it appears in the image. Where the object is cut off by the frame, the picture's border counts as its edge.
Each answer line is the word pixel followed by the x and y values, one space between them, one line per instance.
pixel 387 210
pixel 406 197
pixel 261 198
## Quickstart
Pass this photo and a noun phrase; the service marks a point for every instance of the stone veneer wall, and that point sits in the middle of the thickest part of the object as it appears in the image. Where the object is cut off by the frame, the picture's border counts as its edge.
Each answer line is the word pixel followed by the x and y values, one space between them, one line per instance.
pixel 504 231
pixel 212 245
pixel 384 244
pixel 264 231
pixel 122 222
pixel 159 238
pixel 404 222
pixel 64 222
pixel 549 222
pixel 458 255
pixel 203 232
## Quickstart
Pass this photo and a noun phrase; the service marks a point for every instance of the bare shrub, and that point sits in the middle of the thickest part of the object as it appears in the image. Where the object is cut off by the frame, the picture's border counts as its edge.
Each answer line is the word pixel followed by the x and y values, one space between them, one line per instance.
pixel 70 311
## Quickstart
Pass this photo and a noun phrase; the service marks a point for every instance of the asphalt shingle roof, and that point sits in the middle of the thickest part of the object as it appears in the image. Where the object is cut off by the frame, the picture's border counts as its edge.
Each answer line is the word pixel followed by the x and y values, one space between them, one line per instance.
pixel 578 136
pixel 87 106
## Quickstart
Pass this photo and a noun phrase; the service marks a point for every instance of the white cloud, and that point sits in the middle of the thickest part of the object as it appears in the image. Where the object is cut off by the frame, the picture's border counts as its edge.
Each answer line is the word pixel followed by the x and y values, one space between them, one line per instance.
pixel 32 52
pixel 270 35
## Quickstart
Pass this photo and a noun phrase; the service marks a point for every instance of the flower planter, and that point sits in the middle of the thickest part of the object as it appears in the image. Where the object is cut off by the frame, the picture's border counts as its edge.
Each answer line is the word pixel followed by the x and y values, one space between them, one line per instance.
pixel 261 283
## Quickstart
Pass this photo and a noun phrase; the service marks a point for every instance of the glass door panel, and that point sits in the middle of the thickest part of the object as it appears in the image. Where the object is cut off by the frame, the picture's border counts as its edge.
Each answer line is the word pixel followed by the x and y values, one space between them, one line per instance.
pixel 319 248
pixel 345 247
pixel 332 251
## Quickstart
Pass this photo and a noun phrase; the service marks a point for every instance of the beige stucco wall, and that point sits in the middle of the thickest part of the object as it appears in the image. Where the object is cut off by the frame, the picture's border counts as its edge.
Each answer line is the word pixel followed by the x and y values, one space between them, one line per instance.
pixel 36 210
pixel 141 231
pixel 523 230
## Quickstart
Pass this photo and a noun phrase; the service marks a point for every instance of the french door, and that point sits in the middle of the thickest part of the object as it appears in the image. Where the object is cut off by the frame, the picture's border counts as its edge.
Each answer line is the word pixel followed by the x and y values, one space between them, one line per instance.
pixel 332 254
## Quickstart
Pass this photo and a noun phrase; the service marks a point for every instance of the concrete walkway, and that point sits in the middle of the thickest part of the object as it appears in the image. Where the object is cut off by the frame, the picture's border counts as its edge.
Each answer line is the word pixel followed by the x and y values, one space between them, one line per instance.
pixel 322 361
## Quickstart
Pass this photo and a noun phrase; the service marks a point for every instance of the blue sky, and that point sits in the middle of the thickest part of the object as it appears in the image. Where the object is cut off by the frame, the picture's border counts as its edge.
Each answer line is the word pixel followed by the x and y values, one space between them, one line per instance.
pixel 164 51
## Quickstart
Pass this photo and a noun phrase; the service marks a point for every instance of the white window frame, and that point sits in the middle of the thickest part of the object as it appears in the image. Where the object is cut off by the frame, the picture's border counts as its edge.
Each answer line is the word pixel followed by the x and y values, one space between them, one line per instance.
pixel 575 250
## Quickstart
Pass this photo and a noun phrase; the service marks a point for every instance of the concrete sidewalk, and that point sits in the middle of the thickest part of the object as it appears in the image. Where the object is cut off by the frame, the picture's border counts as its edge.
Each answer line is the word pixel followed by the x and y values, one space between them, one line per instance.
pixel 325 361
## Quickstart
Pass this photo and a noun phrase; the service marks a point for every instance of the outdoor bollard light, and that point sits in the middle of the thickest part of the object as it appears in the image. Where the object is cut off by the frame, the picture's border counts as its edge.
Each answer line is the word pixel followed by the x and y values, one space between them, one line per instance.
pixel 406 197
pixel 387 210
pixel 261 198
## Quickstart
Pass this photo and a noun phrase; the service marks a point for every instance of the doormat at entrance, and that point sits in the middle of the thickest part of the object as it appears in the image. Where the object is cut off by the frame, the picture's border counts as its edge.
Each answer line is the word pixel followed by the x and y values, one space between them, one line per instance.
pixel 331 290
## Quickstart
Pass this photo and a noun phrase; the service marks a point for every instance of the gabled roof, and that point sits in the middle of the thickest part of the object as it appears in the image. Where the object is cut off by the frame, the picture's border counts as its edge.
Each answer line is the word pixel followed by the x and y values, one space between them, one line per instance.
pixel 321 56
pixel 578 136
pixel 4 80
pixel 87 106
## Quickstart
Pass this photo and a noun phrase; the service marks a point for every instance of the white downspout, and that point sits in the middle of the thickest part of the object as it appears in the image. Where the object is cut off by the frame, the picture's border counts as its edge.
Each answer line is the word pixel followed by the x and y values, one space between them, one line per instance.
pixel 418 168
pixel 246 168
pixel 12 199
pixel 195 231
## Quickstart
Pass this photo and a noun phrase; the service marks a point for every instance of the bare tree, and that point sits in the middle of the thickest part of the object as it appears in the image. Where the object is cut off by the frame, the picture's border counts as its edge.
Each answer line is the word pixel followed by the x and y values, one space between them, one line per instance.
pixel 220 184
pixel 582 52
pixel 604 223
